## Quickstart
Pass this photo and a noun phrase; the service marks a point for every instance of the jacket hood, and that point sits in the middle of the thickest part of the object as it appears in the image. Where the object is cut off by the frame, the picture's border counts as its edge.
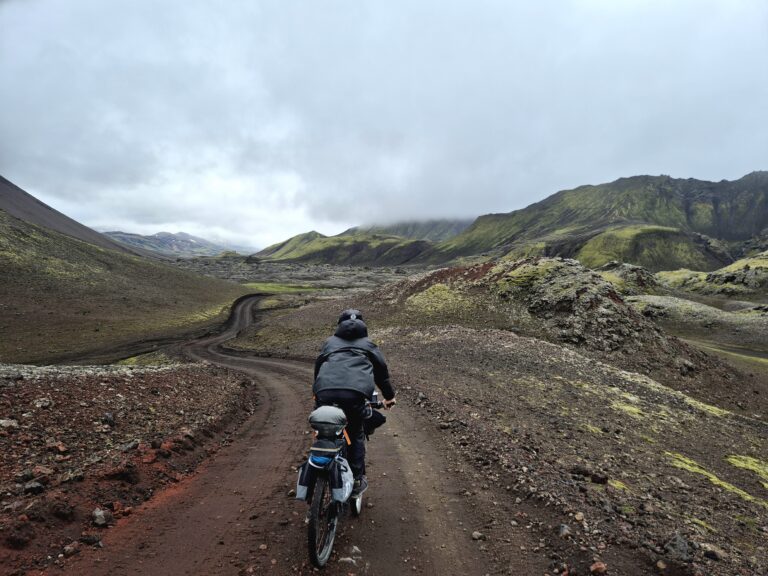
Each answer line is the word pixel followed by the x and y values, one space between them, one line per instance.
pixel 352 329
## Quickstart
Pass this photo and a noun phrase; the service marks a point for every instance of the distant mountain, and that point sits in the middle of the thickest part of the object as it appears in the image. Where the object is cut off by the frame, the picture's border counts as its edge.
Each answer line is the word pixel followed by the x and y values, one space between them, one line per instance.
pixel 22 205
pixel 432 230
pixel 352 249
pixel 180 244
pixel 655 221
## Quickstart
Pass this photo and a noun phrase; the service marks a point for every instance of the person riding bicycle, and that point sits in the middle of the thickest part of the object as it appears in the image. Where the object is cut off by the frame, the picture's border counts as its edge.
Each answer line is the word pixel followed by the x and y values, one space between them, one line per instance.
pixel 347 372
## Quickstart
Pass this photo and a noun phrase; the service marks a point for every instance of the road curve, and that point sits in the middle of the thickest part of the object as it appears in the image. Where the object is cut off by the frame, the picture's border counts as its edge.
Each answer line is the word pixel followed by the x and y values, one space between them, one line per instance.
pixel 234 515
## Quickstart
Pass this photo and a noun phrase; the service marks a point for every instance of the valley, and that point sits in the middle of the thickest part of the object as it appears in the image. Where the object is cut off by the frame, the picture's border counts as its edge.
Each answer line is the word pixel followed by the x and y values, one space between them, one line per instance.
pixel 557 415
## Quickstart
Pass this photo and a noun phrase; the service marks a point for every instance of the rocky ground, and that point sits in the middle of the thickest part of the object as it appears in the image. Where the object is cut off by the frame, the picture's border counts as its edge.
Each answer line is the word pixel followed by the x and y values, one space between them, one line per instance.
pixel 82 446
pixel 245 269
pixel 634 438
pixel 582 432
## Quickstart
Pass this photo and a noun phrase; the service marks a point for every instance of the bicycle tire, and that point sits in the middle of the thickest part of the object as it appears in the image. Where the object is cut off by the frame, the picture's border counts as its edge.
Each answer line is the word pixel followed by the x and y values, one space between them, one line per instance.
pixel 323 519
pixel 357 505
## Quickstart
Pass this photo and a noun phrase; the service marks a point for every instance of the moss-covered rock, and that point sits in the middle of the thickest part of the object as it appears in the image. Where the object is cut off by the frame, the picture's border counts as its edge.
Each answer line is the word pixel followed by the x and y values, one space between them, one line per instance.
pixel 747 278
pixel 628 279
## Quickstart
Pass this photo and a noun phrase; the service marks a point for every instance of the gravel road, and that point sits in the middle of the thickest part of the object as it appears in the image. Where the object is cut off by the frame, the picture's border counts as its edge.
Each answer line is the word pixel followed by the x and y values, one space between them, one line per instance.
pixel 235 515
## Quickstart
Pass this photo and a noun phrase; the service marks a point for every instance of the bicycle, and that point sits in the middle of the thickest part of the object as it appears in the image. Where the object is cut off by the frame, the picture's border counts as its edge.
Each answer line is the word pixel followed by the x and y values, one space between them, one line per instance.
pixel 325 481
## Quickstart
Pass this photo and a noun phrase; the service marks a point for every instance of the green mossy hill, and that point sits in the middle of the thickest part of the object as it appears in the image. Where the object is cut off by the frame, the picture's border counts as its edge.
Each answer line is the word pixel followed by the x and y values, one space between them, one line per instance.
pixel 730 211
pixel 746 278
pixel 358 249
pixel 292 246
pixel 60 296
pixel 653 247
pixel 432 230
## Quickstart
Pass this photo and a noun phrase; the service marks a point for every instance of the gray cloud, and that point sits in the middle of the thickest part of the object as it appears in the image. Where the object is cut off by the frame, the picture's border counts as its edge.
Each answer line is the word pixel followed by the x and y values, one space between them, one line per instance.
pixel 254 121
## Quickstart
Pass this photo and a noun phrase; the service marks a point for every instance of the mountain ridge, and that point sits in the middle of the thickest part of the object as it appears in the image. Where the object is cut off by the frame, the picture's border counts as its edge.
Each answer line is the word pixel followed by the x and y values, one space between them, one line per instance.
pixel 24 206
pixel 689 204
pixel 352 249
pixel 434 230
pixel 169 243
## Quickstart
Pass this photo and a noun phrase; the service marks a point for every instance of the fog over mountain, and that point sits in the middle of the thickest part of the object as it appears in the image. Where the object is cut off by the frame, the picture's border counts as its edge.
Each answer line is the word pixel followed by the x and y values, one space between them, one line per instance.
pixel 251 122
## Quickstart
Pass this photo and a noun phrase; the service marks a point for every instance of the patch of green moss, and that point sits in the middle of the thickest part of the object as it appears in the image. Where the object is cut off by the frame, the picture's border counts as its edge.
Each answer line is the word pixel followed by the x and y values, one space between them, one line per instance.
pixel 759 467
pixel 618 282
pixel 685 463
pixel 618 485
pixel 527 250
pixel 149 359
pixel 680 278
pixel 630 409
pixel 270 303
pixel 275 288
pixel 592 429
pixel 437 299
pixel 523 275
pixel 703 524
pixel 708 408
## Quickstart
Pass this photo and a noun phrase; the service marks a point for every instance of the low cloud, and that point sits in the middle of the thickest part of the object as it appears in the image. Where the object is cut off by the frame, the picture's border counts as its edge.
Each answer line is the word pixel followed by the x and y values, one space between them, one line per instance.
pixel 256 121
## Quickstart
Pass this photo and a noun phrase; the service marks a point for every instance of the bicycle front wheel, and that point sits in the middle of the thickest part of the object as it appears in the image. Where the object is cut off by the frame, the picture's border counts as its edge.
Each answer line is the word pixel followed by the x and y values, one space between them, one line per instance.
pixel 323 518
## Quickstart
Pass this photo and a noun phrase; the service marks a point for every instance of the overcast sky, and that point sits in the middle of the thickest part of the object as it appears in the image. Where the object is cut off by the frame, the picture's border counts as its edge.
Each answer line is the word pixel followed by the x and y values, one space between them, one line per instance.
pixel 253 120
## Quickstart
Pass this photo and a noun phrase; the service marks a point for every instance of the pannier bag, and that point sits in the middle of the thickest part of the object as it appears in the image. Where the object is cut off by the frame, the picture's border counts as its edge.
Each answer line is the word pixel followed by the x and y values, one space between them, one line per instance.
pixel 328 421
pixel 340 479
pixel 322 456
pixel 306 481
pixel 373 421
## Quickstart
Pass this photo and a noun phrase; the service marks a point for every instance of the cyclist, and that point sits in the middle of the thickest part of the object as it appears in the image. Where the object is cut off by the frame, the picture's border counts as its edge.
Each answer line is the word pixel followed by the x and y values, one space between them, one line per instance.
pixel 347 372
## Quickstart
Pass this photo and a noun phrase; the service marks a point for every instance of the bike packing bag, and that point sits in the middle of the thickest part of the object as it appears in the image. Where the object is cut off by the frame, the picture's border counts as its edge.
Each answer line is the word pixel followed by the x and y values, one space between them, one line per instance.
pixel 305 484
pixel 341 480
pixel 370 423
pixel 328 421
pixel 323 452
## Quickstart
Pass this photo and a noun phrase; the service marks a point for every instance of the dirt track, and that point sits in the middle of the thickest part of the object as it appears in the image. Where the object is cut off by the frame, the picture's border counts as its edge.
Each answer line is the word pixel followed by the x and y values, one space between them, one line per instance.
pixel 234 515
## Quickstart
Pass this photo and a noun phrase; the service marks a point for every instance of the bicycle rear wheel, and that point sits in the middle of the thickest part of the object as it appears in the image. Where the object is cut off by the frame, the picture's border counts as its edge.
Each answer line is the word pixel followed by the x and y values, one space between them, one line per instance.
pixel 323 518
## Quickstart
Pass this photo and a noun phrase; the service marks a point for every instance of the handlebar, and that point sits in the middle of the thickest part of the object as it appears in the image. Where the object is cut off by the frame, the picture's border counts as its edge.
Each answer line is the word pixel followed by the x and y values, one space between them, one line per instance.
pixel 379 405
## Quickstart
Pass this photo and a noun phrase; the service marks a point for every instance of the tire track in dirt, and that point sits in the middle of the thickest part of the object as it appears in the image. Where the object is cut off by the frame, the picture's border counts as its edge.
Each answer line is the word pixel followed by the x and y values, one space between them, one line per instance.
pixel 234 515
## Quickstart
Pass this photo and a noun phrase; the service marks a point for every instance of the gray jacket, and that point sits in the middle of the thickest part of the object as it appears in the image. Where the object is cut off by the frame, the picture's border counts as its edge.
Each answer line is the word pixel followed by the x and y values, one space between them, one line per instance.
pixel 350 361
